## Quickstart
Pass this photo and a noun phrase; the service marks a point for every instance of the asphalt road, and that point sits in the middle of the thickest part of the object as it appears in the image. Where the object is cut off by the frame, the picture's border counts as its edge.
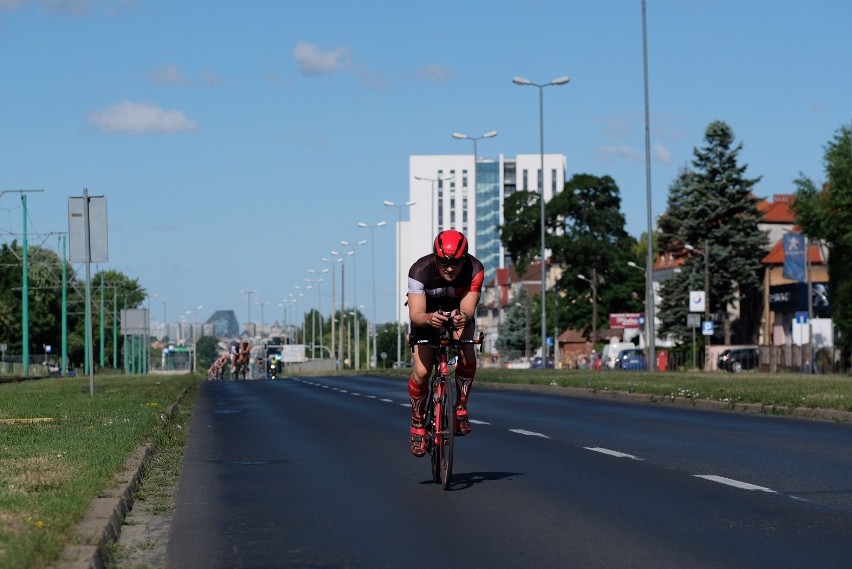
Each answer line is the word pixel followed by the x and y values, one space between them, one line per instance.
pixel 316 472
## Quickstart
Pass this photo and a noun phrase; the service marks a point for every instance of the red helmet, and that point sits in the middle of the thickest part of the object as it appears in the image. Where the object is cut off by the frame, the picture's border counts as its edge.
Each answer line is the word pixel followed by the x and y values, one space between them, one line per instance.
pixel 450 245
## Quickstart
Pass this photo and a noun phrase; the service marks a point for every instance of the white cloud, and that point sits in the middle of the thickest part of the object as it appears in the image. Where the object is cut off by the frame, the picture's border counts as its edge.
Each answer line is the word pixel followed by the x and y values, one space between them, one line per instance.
pixel 612 154
pixel 313 61
pixel 661 153
pixel 434 73
pixel 140 118
pixel 168 74
pixel 171 74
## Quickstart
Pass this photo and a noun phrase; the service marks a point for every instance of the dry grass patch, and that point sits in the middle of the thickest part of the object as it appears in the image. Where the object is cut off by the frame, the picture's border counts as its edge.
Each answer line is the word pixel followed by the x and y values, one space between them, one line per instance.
pixel 30 475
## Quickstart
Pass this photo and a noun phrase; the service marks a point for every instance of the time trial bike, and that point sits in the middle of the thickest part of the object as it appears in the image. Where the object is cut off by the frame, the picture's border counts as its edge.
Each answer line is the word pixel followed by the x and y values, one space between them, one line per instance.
pixel 440 419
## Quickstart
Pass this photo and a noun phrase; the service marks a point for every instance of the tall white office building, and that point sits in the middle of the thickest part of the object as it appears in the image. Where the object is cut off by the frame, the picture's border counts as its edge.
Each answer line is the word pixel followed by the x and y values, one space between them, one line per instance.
pixel 461 192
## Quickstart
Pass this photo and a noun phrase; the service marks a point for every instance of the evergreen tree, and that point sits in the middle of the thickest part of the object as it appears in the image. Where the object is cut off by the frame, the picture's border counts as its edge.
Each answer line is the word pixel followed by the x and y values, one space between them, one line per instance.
pixel 825 215
pixel 516 329
pixel 713 208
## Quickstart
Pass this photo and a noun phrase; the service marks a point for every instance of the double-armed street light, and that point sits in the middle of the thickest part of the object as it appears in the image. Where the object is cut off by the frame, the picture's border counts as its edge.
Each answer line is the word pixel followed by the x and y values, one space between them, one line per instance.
pixel 460 136
pixel 526 82
pixel 399 273
pixel 355 298
pixel 372 362
pixel 433 198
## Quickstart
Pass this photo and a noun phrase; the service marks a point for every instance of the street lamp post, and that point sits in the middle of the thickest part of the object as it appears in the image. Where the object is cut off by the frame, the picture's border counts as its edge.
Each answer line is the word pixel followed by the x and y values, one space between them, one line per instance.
pixel 261 303
pixel 355 299
pixel 594 282
pixel 433 229
pixel 399 208
pixel 526 82
pixel 165 325
pixel 248 303
pixel 333 339
pixel 374 361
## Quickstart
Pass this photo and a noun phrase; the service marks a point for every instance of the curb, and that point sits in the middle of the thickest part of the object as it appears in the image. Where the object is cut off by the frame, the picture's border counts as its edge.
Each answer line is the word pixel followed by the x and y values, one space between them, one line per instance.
pixel 815 413
pixel 101 524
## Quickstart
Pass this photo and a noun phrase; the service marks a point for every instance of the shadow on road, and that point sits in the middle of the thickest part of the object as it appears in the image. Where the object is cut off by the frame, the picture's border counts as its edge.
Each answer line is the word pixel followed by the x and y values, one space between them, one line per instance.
pixel 465 480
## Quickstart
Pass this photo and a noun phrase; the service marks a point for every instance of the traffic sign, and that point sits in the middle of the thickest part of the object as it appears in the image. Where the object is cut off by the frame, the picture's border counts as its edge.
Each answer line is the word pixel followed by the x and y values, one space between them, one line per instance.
pixel 707 328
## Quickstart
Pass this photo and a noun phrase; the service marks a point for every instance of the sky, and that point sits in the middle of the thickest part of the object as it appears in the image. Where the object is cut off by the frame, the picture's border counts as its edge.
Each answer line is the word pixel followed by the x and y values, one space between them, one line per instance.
pixel 237 143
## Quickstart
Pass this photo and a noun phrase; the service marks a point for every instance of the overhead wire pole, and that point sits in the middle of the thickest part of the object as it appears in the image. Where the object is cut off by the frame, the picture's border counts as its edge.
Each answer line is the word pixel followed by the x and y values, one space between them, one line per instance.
pixel 25 293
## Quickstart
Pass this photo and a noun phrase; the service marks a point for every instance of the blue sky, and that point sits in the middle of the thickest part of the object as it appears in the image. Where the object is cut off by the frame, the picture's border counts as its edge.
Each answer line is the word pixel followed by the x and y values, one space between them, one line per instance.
pixel 239 142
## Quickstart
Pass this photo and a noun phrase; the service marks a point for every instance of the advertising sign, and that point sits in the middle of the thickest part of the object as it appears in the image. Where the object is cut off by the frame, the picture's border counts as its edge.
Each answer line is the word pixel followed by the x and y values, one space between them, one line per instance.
pixel 624 320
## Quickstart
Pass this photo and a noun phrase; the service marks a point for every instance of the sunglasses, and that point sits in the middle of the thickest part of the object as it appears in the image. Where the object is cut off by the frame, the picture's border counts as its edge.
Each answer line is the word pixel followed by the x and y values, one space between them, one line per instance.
pixel 449 261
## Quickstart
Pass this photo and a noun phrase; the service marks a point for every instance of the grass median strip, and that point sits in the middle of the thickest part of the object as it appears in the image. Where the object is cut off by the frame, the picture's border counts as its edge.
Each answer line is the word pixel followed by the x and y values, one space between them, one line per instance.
pixel 51 470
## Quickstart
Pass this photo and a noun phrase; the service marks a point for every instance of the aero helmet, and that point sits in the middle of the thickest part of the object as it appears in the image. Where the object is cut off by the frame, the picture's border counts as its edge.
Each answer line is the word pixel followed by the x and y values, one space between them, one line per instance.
pixel 450 245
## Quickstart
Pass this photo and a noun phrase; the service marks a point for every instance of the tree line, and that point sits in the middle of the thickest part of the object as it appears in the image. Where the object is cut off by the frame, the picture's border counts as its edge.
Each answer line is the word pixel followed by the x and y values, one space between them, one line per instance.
pixel 44 278
pixel 711 206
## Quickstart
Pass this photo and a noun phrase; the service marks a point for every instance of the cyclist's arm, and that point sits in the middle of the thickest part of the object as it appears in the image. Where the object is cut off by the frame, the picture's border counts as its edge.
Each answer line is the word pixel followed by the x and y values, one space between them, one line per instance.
pixel 469 301
pixel 467 309
pixel 418 315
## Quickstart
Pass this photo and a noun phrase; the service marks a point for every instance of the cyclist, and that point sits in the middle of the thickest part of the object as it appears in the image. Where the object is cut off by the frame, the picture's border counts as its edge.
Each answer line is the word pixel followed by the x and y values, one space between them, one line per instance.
pixel 447 280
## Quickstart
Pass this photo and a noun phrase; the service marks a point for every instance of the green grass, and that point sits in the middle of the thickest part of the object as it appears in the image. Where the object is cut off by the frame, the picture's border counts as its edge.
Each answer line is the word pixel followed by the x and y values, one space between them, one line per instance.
pixel 773 390
pixel 51 469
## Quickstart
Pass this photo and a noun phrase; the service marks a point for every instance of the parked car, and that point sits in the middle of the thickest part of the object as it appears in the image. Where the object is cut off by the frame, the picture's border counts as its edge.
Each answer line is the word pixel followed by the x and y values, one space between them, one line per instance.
pixel 738 359
pixel 632 358
pixel 611 351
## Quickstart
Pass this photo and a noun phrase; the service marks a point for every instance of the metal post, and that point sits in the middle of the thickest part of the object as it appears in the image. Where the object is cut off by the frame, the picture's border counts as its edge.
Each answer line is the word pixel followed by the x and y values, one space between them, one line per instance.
pixel 558 81
pixel 650 311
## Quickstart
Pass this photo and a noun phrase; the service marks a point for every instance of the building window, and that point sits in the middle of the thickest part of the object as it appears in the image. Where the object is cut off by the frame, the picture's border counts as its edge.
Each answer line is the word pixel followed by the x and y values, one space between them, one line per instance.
pixel 553 182
pixel 464 178
pixel 525 184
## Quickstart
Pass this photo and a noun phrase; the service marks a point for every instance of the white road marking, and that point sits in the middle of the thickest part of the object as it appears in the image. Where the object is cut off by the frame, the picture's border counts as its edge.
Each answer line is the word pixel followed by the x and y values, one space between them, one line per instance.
pixel 356 394
pixel 529 433
pixel 734 483
pixel 614 453
pixel 386 400
pixel 475 422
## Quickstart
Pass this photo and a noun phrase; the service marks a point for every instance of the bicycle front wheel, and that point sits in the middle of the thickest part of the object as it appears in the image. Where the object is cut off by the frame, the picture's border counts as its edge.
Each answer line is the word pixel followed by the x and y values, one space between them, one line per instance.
pixel 447 433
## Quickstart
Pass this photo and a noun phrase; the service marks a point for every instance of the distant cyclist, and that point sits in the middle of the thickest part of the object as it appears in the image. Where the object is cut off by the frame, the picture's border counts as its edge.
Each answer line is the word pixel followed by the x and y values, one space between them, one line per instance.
pixel 447 280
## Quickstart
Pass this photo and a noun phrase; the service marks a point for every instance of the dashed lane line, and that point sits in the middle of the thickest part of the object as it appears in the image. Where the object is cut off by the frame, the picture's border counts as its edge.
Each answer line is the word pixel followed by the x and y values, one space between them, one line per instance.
pixel 734 483
pixel 528 433
pixel 611 452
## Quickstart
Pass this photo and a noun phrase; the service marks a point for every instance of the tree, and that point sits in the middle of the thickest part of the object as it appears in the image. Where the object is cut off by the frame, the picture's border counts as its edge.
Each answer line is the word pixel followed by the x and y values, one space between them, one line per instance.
pixel 521 232
pixel 515 329
pixel 825 215
pixel 712 207
pixel 587 237
pixel 207 351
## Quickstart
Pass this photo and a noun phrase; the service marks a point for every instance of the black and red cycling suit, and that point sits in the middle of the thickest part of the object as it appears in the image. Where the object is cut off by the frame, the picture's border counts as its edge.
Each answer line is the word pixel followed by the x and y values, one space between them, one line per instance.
pixel 441 294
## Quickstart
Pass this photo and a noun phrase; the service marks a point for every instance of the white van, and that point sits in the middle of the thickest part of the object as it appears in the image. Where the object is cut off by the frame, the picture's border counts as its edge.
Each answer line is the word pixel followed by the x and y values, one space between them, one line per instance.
pixel 610 352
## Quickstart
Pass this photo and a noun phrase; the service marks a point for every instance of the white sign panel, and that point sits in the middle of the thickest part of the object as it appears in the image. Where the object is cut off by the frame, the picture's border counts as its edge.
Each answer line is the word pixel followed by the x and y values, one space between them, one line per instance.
pixel 696 301
pixel 293 353
pixel 97 230
pixel 134 322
